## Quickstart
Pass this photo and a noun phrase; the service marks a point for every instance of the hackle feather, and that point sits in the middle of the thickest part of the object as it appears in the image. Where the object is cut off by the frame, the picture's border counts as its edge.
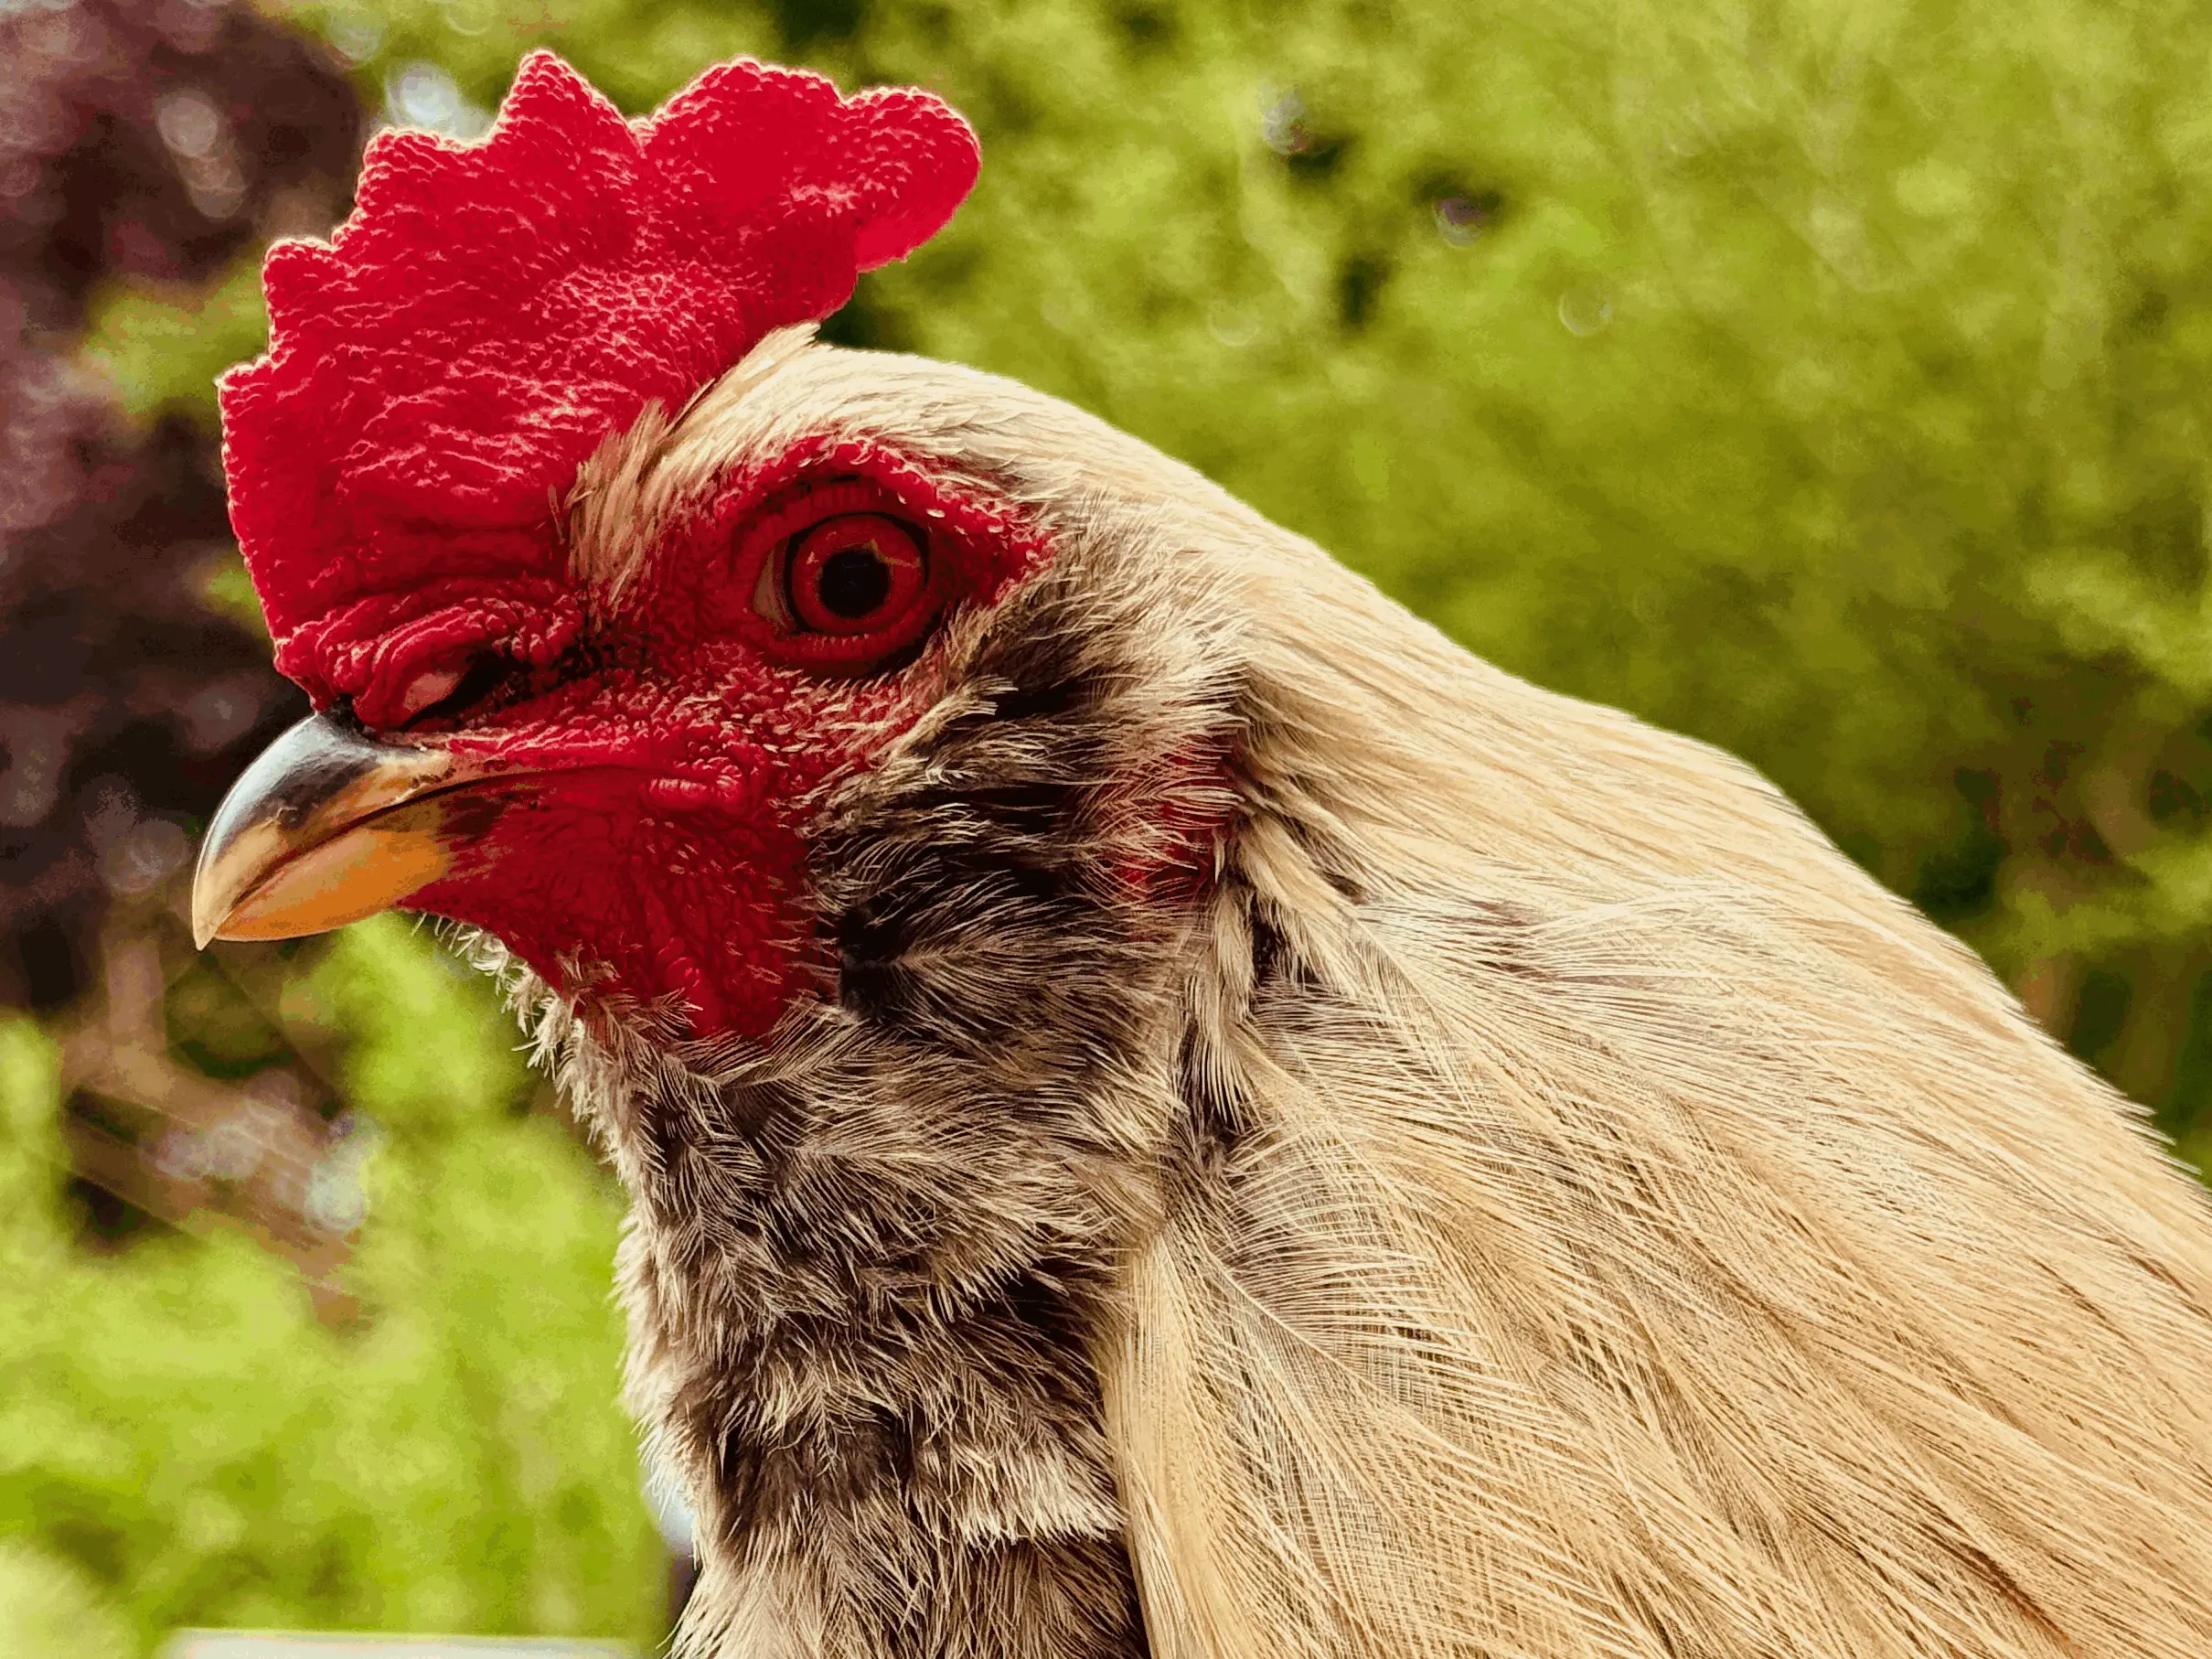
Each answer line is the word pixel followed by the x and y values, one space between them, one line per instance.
pixel 1538 1198
pixel 1643 1234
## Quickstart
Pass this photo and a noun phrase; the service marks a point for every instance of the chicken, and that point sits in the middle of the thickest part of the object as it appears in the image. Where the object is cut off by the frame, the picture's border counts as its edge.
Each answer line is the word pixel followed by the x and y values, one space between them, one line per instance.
pixel 1168 1109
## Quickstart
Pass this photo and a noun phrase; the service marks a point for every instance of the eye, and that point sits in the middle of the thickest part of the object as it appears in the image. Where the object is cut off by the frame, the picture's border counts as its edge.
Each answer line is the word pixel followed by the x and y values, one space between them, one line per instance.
pixel 844 574
pixel 855 573
pixel 448 693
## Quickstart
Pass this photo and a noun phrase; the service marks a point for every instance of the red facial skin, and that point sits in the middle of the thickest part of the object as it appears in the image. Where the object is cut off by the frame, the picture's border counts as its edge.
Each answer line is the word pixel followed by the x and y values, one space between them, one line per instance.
pixel 654 853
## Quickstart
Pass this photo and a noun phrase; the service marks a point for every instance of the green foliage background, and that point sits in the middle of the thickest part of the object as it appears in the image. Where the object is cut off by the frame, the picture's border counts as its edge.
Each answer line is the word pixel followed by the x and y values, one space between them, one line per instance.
pixel 1826 378
pixel 182 1443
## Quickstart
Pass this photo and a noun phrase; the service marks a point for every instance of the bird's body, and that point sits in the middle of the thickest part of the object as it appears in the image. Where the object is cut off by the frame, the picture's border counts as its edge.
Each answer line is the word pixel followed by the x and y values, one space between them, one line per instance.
pixel 1270 1137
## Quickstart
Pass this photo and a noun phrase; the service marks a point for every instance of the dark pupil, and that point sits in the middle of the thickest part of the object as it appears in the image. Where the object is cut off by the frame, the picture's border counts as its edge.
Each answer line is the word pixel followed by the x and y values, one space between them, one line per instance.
pixel 853 581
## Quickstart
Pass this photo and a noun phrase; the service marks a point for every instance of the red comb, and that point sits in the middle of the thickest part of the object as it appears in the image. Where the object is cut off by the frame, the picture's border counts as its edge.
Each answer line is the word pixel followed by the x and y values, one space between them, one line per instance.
pixel 490 312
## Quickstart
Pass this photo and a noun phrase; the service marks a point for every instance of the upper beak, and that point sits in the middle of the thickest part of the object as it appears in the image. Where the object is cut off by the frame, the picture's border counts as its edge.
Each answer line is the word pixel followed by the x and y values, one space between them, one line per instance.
pixel 329 825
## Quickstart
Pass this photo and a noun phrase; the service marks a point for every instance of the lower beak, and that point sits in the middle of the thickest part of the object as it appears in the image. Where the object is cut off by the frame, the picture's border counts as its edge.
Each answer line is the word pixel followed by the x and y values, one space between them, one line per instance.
pixel 329 825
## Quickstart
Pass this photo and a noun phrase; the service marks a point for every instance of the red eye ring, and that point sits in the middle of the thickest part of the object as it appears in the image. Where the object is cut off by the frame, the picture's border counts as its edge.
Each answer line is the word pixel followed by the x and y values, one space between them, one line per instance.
pixel 855 573
pixel 789 548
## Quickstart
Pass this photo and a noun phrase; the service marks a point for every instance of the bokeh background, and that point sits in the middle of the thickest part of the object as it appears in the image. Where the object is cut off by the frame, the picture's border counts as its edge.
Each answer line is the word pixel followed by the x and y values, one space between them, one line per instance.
pixel 1830 379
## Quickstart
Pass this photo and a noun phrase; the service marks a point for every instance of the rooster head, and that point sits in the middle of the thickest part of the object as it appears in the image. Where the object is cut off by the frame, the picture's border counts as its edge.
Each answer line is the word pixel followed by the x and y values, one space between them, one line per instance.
pixel 589 631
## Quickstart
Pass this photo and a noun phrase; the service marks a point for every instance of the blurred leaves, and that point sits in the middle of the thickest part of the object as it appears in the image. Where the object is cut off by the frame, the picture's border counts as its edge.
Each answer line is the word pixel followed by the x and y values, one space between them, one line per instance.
pixel 196 1424
pixel 31 1145
pixel 227 591
pixel 429 1043
pixel 177 1422
pixel 160 349
pixel 52 1609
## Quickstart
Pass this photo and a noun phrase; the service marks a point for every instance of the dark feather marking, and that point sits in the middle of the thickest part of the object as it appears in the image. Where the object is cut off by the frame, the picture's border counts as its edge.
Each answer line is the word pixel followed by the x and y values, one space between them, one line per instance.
pixel 1273 961
pixel 867 1292
pixel 1278 970
pixel 1048 700
pixel 1506 943
pixel 1212 1123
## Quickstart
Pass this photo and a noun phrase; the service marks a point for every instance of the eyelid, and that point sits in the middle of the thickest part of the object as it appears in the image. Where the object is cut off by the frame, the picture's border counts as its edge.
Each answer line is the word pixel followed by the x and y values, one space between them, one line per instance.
pixel 814 503
pixel 427 690
pixel 461 689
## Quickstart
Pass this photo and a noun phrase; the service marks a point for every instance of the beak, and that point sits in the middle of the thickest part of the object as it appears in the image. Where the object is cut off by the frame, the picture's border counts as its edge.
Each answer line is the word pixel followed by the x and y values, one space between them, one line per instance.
pixel 329 825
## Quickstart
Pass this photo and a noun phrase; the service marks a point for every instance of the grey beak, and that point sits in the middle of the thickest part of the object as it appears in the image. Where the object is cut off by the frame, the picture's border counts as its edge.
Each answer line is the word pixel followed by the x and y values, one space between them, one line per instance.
pixel 329 825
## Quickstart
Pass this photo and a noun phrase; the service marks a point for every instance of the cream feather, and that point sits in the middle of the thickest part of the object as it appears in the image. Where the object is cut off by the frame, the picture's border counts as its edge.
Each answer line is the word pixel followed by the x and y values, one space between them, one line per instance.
pixel 1648 1235
pixel 1635 1235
